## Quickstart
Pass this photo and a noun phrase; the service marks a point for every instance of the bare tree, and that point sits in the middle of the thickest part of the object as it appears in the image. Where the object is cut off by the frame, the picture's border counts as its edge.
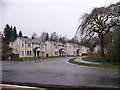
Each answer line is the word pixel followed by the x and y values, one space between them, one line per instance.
pixel 99 22
pixel 43 36
pixel 54 36
pixel 63 39
pixel 34 35
pixel 47 36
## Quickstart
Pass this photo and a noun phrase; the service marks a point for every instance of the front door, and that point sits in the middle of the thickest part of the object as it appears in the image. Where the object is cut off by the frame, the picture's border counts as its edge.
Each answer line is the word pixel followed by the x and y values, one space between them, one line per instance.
pixel 34 53
pixel 60 52
pixel 38 52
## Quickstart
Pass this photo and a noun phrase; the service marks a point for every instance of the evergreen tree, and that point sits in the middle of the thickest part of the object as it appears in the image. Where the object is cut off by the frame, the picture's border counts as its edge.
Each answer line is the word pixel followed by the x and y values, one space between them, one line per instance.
pixel 14 33
pixel 7 34
pixel 47 36
pixel 20 34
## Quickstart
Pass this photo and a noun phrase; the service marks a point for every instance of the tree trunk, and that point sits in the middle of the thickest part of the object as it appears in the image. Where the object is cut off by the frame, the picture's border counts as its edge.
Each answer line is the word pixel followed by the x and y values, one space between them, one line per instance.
pixel 102 46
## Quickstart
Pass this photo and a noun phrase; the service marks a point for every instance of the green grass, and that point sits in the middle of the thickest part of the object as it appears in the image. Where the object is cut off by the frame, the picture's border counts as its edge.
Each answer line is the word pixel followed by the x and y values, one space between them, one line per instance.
pixel 36 58
pixel 54 56
pixel 97 58
pixel 29 58
pixel 104 65
pixel 93 58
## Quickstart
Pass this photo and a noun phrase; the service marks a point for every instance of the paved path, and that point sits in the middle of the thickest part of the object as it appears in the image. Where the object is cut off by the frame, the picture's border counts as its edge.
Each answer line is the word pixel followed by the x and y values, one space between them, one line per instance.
pixel 83 61
pixel 58 72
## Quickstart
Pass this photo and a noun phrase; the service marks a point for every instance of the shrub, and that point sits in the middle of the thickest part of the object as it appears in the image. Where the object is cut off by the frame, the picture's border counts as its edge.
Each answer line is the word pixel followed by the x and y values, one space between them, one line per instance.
pixel 115 52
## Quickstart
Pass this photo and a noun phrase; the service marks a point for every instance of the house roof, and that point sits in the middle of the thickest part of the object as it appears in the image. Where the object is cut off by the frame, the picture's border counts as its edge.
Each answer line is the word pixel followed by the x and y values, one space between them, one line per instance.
pixel 61 49
pixel 58 43
pixel 37 49
pixel 36 40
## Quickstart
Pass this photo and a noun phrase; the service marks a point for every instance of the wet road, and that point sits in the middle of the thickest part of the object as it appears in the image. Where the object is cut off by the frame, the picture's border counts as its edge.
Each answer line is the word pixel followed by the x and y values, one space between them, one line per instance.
pixel 58 72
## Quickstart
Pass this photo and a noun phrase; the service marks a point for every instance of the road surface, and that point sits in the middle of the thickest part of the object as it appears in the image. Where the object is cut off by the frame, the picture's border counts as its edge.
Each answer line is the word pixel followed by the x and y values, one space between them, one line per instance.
pixel 58 71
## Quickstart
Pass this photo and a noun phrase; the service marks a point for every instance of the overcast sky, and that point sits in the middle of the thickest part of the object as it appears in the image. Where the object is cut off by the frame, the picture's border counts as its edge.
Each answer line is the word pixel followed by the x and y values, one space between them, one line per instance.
pixel 61 16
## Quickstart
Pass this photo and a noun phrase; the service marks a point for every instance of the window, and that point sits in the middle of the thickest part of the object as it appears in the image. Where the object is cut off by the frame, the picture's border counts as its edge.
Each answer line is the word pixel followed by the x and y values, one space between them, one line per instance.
pixel 22 44
pixel 56 53
pixel 56 46
pixel 29 53
pixel 22 53
pixel 29 44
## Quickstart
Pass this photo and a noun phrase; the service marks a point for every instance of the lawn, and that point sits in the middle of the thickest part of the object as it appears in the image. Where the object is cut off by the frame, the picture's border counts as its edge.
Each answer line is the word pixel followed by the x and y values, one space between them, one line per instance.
pixel 38 58
pixel 29 58
pixel 93 58
pixel 97 58
pixel 103 65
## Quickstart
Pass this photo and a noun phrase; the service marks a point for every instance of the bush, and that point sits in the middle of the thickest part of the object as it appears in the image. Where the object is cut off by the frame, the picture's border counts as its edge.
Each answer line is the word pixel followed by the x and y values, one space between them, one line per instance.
pixel 93 58
pixel 115 52
pixel 84 54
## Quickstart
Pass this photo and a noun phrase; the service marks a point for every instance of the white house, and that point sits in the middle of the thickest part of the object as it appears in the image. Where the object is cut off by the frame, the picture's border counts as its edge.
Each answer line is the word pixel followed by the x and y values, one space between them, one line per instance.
pixel 97 49
pixel 54 48
pixel 84 50
pixel 27 47
pixel 73 49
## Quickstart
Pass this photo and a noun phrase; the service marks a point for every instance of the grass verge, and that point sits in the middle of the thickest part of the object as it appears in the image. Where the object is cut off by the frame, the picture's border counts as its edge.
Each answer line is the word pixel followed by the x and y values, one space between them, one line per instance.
pixel 29 58
pixel 104 65
pixel 37 58
pixel 92 58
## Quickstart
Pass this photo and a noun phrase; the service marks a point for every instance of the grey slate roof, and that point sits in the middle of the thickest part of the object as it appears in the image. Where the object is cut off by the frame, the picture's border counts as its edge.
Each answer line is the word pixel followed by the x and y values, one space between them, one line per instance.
pixel 58 43
pixel 36 40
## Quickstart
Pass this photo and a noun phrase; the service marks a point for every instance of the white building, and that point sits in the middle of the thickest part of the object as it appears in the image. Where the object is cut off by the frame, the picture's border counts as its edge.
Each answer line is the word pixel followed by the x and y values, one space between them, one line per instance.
pixel 84 50
pixel 55 48
pixel 27 47
pixel 97 49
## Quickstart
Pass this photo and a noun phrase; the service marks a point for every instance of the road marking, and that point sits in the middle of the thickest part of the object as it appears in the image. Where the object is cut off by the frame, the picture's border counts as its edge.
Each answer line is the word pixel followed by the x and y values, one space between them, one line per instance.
pixel 18 86
pixel 67 61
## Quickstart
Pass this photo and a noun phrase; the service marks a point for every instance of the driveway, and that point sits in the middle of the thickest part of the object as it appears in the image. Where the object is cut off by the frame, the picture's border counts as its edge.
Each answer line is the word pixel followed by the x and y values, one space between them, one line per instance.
pixel 58 72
